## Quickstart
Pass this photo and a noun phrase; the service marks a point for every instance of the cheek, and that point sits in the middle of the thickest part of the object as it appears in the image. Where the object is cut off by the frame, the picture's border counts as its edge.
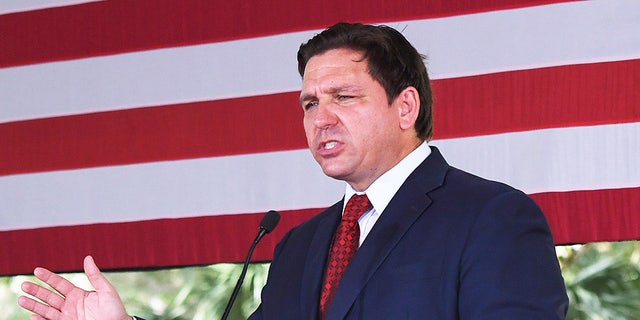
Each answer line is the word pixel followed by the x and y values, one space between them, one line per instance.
pixel 376 135
pixel 310 144
pixel 307 127
pixel 309 132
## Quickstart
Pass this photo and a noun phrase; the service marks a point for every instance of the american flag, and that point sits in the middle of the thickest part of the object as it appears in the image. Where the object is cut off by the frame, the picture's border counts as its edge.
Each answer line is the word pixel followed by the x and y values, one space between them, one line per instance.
pixel 156 133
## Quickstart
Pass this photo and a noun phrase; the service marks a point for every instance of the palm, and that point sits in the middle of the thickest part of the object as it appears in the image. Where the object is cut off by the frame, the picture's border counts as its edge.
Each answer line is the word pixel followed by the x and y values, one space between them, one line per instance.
pixel 87 305
pixel 69 302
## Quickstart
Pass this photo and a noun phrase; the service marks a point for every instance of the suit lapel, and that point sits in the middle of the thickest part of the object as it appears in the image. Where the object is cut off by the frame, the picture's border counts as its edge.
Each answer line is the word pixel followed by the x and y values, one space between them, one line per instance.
pixel 317 258
pixel 407 205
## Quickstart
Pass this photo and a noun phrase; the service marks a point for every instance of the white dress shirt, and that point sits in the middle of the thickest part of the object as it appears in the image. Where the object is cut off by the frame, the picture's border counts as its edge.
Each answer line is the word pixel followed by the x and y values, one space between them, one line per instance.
pixel 385 187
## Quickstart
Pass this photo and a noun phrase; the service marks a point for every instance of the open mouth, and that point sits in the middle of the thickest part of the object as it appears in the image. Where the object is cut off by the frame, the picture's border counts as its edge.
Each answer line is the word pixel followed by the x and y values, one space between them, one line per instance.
pixel 330 145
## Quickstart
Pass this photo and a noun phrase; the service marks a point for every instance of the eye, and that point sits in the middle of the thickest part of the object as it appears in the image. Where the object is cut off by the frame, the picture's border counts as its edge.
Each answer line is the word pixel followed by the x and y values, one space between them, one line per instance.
pixel 309 105
pixel 345 100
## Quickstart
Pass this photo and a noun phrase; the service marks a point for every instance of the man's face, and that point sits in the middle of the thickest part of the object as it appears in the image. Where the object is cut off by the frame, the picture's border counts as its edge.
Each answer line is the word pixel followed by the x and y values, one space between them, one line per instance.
pixel 352 131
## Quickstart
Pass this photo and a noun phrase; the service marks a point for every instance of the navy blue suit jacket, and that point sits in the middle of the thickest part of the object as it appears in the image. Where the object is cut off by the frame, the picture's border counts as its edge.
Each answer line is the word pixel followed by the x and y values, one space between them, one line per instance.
pixel 449 245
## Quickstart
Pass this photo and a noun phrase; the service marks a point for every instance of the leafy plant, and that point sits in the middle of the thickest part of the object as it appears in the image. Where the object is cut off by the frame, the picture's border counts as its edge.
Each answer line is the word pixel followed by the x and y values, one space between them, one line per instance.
pixel 602 280
pixel 191 293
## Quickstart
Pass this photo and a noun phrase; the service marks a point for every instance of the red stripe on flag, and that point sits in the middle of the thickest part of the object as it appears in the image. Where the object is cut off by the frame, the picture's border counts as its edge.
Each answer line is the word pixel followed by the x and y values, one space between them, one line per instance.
pixel 593 215
pixel 202 129
pixel 124 26
pixel 573 95
pixel 578 216
pixel 144 244
pixel 585 94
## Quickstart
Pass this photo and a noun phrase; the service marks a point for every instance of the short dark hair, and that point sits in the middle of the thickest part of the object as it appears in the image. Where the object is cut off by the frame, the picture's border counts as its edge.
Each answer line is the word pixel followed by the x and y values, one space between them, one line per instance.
pixel 392 60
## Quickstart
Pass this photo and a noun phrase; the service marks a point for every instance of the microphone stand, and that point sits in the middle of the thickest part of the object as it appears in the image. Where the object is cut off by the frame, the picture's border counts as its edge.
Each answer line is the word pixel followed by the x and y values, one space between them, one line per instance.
pixel 269 222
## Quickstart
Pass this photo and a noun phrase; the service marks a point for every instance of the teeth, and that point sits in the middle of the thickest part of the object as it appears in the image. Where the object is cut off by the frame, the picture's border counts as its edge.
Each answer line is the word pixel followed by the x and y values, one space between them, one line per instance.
pixel 330 145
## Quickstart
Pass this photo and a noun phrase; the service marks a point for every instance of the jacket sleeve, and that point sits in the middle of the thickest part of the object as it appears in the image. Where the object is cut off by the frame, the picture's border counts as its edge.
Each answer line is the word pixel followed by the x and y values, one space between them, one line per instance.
pixel 509 268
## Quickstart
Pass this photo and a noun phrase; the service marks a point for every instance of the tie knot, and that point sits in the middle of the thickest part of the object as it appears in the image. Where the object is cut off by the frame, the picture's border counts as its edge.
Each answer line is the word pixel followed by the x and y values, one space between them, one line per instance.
pixel 356 207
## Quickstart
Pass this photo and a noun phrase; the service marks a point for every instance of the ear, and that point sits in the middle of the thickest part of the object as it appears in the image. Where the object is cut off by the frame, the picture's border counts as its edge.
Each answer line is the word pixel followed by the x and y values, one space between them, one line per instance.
pixel 408 104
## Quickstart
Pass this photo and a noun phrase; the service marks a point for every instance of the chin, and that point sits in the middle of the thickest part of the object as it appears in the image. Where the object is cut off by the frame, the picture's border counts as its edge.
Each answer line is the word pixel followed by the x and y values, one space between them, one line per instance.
pixel 334 173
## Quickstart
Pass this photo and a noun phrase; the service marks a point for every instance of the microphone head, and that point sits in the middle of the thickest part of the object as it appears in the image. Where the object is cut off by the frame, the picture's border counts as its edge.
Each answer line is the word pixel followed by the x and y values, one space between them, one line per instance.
pixel 270 221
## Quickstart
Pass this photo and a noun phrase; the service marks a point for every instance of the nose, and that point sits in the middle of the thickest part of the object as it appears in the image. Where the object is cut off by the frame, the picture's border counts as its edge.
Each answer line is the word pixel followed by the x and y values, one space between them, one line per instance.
pixel 324 116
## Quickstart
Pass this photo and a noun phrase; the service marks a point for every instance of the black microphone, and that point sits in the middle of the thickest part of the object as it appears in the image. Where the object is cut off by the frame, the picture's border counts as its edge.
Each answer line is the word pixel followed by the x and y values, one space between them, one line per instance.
pixel 268 223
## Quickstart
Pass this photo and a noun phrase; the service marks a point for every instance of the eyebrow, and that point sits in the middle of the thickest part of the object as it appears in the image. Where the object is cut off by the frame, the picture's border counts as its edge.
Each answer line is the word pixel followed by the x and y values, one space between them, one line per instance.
pixel 331 90
pixel 307 97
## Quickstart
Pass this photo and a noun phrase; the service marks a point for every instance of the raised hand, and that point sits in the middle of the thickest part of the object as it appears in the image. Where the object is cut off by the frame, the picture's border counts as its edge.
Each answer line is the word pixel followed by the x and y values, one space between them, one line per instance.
pixel 68 301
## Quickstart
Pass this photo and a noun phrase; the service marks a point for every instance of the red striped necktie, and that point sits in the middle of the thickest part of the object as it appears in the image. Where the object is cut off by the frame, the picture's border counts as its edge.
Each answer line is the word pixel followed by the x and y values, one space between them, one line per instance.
pixel 343 248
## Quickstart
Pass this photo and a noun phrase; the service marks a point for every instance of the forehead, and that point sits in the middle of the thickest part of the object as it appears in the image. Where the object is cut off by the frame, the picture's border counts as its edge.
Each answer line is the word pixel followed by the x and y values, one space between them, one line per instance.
pixel 336 67
pixel 341 58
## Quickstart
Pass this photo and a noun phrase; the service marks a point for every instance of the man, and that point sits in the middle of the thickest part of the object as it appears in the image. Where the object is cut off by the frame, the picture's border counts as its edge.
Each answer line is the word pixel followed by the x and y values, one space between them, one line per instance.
pixel 438 243
pixel 428 241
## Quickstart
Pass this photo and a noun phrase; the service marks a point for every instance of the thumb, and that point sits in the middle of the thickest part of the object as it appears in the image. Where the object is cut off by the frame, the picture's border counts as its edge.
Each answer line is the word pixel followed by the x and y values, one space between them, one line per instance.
pixel 97 279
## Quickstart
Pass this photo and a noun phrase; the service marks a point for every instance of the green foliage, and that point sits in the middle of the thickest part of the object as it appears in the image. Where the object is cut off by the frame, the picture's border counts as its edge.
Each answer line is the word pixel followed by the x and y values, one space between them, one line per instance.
pixel 194 293
pixel 602 279
pixel 191 293
pixel 9 286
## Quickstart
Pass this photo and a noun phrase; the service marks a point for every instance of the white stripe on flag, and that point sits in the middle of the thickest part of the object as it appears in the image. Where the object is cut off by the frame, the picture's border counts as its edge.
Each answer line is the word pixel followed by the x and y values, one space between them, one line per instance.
pixel 221 185
pixel 576 158
pixel 560 159
pixel 456 46
pixel 11 6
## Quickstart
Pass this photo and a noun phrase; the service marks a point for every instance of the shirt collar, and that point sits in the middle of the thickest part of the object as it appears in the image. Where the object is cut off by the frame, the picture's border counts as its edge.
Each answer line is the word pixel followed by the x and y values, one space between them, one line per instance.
pixel 385 187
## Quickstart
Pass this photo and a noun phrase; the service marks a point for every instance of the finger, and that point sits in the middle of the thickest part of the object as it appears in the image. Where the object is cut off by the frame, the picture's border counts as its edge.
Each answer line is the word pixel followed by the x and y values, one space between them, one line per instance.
pixel 57 282
pixel 97 279
pixel 47 296
pixel 41 310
